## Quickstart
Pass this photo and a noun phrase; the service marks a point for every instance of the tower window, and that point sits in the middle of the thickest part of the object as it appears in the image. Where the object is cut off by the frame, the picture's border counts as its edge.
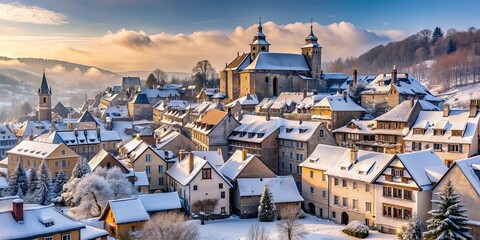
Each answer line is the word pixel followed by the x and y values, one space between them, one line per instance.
pixel 263 48
pixel 266 79
pixel 44 99
pixel 253 48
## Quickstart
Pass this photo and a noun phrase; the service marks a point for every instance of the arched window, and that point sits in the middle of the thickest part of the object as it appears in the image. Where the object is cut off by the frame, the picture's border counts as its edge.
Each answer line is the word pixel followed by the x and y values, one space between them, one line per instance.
pixel 266 79
pixel 44 100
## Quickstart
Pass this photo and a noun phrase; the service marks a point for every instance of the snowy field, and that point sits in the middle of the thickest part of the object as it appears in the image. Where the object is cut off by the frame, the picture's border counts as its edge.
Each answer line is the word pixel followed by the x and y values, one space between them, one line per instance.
pixel 234 228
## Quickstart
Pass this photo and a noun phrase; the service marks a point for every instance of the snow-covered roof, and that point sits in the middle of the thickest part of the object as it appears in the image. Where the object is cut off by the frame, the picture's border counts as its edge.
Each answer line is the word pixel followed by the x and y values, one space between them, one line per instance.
pixel 141 178
pixel 358 126
pixel 160 201
pixel 3 183
pixel 180 170
pixel 425 167
pixel 402 112
pixel 334 76
pixel 123 128
pixel 127 210
pixel 160 93
pixel 258 126
pixel 32 226
pixel 235 165
pixel 89 232
pixel 120 111
pixel 321 161
pixel 34 149
pixel 298 131
pixel 456 120
pixel 213 157
pixel 239 63
pixel 6 134
pixel 340 103
pixel 470 167
pixel 176 104
pixel 366 167
pixel 247 100
pixel 405 84
pixel 97 159
pixel 283 188
pixel 279 61
pixel 132 145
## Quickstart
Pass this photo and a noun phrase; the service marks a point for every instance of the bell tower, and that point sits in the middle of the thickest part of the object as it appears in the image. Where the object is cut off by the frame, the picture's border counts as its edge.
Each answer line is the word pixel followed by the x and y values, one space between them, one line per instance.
pixel 259 43
pixel 44 101
pixel 313 53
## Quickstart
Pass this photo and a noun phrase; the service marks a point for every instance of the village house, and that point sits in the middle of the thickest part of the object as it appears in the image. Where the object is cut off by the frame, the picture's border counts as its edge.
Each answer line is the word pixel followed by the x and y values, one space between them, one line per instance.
pixel 86 143
pixel 173 113
pixel 123 216
pixel 385 133
pixel 64 112
pixel 246 103
pixel 351 186
pixel 315 187
pixel 278 106
pixel 283 189
pixel 8 140
pixel 212 130
pixel 243 165
pixel 31 154
pixel 106 160
pixel 404 189
pixel 386 91
pixel 171 139
pixel 465 176
pixel 131 82
pixel 112 98
pixel 139 108
pixel 336 110
pixel 32 221
pixel 200 185
pixel 453 134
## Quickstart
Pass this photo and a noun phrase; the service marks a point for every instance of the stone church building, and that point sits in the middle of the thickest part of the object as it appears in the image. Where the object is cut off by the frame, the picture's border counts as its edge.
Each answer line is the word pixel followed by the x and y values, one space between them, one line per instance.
pixel 267 74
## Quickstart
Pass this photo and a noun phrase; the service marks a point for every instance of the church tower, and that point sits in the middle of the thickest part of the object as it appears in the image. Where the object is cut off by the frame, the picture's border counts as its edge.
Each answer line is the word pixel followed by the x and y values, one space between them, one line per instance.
pixel 313 53
pixel 259 43
pixel 44 101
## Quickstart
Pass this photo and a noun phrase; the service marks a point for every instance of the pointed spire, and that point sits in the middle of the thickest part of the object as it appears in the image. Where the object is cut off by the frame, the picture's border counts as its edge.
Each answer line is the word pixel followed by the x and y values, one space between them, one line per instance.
pixel 44 89
pixel 260 38
pixel 260 33
pixel 311 38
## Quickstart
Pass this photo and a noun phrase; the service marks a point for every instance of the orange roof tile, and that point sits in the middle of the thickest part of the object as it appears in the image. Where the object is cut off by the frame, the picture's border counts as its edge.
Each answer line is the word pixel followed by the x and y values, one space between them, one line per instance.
pixel 213 117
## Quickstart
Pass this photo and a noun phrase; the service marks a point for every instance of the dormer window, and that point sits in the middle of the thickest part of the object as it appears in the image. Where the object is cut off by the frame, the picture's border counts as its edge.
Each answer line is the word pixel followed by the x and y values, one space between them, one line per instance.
pixel 438 132
pixel 289 130
pixel 250 135
pixel 303 130
pixel 457 133
pixel 47 221
pixel 260 135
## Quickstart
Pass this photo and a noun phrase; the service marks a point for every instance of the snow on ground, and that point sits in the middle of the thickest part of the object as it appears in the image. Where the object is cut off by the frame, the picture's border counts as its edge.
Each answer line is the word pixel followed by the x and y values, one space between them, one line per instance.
pixel 460 96
pixel 235 228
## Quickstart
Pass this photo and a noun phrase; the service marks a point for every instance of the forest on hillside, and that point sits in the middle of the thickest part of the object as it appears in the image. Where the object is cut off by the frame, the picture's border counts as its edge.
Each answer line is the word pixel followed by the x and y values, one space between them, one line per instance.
pixel 442 59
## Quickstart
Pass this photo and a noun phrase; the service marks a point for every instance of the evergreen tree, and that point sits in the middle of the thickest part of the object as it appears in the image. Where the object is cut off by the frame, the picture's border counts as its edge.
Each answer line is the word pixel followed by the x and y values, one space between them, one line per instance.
pixel 19 192
pixel 81 168
pixel 267 209
pixel 437 34
pixel 412 230
pixel 60 180
pixel 452 45
pixel 18 180
pixel 449 220
pixel 44 192
pixel 151 80
pixel 32 184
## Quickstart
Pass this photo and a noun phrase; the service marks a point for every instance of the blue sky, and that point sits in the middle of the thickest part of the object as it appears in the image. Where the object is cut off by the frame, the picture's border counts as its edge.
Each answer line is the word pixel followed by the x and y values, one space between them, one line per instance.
pixel 110 33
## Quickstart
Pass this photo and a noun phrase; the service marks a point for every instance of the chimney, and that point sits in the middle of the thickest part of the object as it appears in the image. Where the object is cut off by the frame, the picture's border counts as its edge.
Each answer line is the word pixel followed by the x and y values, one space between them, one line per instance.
pixel 345 94
pixel 76 132
pixel 190 162
pixel 30 137
pixel 353 155
pixel 267 117
pixel 446 110
pixel 473 108
pixel 181 155
pixel 219 151
pixel 137 136
pixel 304 93
pixel 52 126
pixel 300 121
pixel 354 80
pixel 412 102
pixel 240 115
pixel 17 210
pixel 394 76
pixel 98 132
pixel 238 54
pixel 244 154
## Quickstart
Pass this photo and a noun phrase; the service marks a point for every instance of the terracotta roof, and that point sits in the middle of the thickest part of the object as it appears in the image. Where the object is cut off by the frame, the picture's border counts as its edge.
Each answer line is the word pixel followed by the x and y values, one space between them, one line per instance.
pixel 213 117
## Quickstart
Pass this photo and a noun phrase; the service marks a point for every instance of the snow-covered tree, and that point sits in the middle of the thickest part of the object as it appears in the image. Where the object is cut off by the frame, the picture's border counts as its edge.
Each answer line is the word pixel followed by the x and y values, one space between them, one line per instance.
pixel 119 183
pixel 412 230
pixel 289 227
pixel 169 226
pixel 267 209
pixel 18 180
pixel 92 194
pixel 44 192
pixel 19 192
pixel 60 180
pixel 448 221
pixel 80 170
pixel 32 185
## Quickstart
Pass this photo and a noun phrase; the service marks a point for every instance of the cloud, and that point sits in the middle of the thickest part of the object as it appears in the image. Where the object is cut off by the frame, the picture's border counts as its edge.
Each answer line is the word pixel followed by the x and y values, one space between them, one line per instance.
pixel 56 69
pixel 127 49
pixel 17 12
pixel 11 63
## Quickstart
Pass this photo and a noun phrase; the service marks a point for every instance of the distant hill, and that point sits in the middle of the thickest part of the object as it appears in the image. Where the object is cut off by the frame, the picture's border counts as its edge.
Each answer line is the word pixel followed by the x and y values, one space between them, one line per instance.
pixel 144 74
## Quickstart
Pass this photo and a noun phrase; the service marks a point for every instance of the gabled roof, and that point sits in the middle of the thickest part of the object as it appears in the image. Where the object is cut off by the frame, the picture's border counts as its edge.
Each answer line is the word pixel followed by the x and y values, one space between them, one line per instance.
pixel 87 117
pixel 279 62
pixel 403 111
pixel 101 156
pixel 32 226
pixel 35 149
pixel 213 157
pixel 470 168
pixel 340 103
pixel 283 188
pixel 235 165
pixel 358 126
pixel 247 100
pixel 140 98
pixel 320 161
pixel 239 63
pixel 126 210
pixel 160 201
pixel 179 171
pixel 132 145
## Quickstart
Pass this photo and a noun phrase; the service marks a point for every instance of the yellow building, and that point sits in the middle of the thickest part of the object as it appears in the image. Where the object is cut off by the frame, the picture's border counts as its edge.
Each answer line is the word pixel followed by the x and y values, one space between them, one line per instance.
pixel 31 154
pixel 124 216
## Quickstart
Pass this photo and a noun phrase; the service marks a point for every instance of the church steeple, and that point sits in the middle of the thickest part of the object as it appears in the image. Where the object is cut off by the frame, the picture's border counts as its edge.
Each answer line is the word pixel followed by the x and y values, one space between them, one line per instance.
pixel 259 43
pixel 313 53
pixel 44 100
